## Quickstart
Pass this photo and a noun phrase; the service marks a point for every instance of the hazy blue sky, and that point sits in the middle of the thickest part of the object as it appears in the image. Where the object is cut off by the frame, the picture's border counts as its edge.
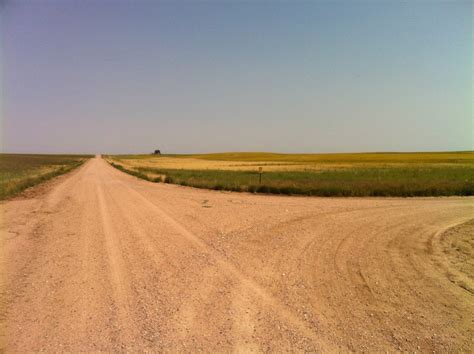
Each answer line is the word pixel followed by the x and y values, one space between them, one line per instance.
pixel 192 76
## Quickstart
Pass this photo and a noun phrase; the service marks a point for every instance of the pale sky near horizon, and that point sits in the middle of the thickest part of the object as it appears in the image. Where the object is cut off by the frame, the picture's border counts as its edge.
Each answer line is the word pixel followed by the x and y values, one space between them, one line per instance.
pixel 207 76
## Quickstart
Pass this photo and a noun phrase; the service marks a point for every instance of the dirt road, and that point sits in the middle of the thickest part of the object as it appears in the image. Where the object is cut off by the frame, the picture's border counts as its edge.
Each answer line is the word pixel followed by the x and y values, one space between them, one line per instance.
pixel 99 260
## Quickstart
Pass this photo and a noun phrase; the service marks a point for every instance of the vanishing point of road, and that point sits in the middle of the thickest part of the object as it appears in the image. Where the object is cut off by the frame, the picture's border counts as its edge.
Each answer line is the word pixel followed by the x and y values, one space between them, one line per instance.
pixel 97 260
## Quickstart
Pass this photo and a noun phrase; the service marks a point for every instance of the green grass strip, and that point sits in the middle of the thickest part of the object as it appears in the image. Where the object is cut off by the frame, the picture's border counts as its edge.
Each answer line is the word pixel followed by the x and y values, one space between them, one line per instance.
pixel 356 182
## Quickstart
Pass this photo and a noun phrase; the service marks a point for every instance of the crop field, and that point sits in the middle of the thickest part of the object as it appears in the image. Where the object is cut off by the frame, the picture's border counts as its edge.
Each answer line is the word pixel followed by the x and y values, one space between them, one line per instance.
pixel 20 171
pixel 368 174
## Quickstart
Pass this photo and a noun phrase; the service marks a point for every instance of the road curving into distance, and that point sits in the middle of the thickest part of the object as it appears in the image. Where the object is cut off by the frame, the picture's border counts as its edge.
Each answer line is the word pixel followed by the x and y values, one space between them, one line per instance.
pixel 100 260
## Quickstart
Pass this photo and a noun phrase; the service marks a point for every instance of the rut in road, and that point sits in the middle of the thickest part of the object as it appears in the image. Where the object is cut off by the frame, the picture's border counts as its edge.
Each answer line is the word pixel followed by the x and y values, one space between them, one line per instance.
pixel 99 260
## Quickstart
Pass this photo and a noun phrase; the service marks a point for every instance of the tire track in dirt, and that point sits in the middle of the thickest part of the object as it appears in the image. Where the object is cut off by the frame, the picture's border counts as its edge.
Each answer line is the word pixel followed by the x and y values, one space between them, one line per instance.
pixel 119 277
pixel 247 283
pixel 437 246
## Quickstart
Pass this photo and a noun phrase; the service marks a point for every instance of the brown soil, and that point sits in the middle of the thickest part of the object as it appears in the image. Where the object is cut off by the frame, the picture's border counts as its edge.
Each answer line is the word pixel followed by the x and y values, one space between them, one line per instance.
pixel 100 260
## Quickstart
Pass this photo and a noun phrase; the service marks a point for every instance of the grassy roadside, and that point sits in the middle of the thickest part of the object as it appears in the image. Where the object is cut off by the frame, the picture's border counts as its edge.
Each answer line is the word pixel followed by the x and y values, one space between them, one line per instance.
pixel 21 171
pixel 433 174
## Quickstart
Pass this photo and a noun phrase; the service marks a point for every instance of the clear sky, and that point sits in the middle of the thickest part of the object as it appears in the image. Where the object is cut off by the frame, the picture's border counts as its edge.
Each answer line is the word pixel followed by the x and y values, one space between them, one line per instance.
pixel 193 76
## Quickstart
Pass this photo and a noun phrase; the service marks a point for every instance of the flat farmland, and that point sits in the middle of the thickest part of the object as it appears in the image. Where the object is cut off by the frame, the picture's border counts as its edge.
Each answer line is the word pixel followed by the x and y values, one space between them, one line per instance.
pixel 370 174
pixel 20 171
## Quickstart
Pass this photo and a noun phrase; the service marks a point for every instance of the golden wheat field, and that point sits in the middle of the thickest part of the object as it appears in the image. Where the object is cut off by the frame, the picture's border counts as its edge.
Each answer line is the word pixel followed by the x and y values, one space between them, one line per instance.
pixel 250 161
